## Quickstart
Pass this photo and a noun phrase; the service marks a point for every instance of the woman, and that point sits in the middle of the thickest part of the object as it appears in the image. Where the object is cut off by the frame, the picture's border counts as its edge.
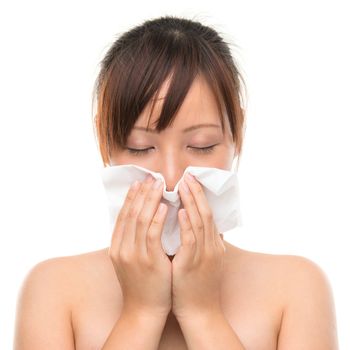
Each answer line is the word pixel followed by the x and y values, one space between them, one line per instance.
pixel 178 76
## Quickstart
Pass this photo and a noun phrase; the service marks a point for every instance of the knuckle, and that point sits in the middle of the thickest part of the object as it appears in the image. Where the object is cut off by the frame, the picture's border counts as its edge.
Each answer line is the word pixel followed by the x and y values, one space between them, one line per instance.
pixel 197 188
pixel 156 222
pixel 199 226
pixel 142 219
pixel 113 254
pixel 122 214
pixel 143 190
pixel 149 199
pixel 143 260
pixel 151 237
pixel 208 215
pixel 190 240
pixel 130 196
pixel 191 201
pixel 132 212
pixel 125 257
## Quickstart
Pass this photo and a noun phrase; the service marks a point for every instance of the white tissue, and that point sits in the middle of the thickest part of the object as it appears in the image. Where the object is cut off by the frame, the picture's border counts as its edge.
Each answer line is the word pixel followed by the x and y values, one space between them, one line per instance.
pixel 220 187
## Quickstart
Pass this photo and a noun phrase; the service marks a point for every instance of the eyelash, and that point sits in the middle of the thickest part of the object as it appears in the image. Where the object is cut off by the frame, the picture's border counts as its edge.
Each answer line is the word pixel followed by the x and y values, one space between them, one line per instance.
pixel 204 150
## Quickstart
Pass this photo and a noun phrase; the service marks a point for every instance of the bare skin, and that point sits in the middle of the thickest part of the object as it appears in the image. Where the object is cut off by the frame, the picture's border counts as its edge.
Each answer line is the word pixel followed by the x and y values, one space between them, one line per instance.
pixel 271 301
pixel 86 300
pixel 251 302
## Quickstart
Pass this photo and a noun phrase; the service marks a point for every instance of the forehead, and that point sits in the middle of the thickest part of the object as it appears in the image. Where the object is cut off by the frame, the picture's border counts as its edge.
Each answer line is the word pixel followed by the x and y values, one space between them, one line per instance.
pixel 199 106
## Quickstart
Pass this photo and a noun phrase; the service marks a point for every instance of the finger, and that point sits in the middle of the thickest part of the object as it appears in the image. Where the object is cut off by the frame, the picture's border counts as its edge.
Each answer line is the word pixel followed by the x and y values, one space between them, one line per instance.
pixel 193 215
pixel 120 223
pixel 204 210
pixel 219 242
pixel 222 242
pixel 128 240
pixel 153 237
pixel 150 206
pixel 188 240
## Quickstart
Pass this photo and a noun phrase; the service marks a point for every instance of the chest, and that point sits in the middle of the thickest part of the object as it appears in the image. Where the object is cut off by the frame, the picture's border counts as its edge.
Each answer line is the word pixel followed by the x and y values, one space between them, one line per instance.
pixel 254 319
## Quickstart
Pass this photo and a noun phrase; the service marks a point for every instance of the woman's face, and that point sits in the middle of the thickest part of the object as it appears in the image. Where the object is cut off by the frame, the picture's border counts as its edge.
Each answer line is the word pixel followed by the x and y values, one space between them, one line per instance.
pixel 172 150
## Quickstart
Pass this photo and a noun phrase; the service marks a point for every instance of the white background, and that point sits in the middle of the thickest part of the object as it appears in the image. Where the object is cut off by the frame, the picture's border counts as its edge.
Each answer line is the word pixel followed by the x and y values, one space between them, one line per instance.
pixel 294 172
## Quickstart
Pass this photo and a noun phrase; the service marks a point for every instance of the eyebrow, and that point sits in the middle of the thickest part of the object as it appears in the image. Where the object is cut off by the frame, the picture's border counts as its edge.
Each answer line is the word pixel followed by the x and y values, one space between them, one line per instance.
pixel 193 127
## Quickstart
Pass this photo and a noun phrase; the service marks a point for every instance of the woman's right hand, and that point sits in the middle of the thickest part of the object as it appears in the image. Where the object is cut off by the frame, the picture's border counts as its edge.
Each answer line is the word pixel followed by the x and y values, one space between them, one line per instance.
pixel 142 267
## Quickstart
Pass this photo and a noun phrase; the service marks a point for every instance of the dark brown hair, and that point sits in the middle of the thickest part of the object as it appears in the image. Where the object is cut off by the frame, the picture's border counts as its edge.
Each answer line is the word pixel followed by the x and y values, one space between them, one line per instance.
pixel 141 59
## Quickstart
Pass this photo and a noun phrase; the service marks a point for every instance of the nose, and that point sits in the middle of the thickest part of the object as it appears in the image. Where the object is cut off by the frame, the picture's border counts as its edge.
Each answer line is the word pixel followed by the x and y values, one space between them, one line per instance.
pixel 172 173
pixel 171 179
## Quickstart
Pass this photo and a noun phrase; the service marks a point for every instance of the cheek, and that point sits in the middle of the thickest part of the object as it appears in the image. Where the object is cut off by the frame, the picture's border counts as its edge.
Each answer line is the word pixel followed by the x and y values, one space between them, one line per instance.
pixel 143 161
pixel 223 158
pixel 123 159
pixel 220 159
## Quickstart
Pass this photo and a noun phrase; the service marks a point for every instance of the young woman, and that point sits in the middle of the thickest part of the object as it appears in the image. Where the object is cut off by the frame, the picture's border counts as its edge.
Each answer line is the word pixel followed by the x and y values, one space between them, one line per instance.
pixel 169 96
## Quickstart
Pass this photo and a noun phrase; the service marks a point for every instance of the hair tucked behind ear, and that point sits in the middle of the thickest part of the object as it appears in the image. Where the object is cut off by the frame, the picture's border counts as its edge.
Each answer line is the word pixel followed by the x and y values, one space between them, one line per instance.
pixel 143 58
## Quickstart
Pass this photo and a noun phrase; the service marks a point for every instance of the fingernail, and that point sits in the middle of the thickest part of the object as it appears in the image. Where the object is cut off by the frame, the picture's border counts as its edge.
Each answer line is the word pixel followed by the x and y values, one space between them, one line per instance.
pixel 135 184
pixel 184 215
pixel 157 184
pixel 185 186
pixel 162 207
pixel 149 178
pixel 190 177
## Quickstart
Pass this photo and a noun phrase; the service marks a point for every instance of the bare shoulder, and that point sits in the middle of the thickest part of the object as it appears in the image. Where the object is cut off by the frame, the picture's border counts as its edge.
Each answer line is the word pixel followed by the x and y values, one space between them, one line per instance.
pixel 77 273
pixel 45 300
pixel 63 271
pixel 303 292
pixel 289 270
pixel 298 275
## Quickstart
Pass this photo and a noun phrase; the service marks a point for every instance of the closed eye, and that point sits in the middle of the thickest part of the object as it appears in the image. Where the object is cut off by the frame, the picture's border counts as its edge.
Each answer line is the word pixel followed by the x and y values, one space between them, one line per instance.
pixel 204 150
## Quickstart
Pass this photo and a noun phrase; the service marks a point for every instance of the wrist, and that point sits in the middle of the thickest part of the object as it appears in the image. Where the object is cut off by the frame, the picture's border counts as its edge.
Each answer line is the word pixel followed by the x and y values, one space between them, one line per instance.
pixel 198 322
pixel 143 314
pixel 199 316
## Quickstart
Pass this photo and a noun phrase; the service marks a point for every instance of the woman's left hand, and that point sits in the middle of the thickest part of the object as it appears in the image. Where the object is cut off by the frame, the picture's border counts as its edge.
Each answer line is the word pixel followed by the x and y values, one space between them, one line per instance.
pixel 198 265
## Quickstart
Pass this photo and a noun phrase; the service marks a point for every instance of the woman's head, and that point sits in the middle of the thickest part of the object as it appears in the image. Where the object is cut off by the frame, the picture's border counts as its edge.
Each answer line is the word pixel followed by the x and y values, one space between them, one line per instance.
pixel 167 75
